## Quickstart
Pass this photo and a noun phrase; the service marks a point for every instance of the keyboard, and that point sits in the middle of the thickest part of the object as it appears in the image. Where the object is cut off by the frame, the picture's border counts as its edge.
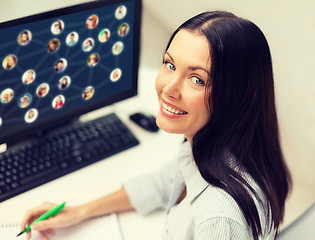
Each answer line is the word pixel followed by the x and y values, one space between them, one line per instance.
pixel 61 152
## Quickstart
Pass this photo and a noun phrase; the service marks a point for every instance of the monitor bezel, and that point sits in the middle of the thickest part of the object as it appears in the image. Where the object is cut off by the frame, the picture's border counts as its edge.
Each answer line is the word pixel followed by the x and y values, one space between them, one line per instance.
pixel 38 129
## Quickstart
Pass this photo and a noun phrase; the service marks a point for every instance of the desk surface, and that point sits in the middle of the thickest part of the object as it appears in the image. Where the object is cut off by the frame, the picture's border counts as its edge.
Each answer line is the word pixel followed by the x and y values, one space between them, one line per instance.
pixel 107 175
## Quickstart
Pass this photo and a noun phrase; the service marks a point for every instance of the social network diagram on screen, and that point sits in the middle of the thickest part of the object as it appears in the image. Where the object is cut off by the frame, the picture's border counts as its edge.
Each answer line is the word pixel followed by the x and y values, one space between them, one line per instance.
pixel 57 65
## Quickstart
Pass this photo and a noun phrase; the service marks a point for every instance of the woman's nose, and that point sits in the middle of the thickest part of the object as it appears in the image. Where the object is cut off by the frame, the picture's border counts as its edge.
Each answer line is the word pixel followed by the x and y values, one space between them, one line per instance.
pixel 173 87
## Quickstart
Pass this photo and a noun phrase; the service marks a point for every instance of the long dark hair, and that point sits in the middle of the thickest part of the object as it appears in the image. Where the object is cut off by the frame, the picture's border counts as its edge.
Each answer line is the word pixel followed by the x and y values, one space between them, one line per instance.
pixel 243 121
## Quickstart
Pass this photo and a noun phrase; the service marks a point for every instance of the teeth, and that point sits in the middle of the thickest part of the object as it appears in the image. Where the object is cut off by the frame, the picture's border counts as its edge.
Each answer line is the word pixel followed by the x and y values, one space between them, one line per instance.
pixel 172 110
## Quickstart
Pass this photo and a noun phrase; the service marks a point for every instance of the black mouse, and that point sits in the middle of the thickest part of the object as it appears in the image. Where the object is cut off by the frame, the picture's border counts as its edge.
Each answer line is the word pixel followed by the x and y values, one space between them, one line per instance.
pixel 145 121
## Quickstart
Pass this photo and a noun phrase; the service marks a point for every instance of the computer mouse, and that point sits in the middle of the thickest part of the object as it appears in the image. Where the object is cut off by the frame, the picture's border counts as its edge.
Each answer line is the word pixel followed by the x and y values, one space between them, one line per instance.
pixel 145 121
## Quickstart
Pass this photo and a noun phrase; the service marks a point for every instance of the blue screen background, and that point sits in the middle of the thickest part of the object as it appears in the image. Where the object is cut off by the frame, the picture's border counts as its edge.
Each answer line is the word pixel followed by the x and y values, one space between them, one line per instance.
pixel 35 56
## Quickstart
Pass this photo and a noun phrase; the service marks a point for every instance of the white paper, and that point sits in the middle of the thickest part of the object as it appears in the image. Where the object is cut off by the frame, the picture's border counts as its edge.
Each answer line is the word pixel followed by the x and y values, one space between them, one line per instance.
pixel 106 227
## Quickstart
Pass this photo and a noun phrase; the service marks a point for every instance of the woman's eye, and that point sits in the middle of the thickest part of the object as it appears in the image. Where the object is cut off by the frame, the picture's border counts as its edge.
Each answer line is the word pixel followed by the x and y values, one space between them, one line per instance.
pixel 197 81
pixel 170 66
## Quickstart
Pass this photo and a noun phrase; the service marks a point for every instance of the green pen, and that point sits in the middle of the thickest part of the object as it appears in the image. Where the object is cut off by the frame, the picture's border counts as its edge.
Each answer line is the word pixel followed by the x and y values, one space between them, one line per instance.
pixel 46 215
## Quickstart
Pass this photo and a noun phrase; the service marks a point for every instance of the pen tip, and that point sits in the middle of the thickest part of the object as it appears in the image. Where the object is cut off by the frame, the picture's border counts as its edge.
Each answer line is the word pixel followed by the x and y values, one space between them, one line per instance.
pixel 19 234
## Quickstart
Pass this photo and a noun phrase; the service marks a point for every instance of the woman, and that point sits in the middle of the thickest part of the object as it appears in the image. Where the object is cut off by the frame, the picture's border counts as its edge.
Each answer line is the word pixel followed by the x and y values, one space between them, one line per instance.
pixel 63 83
pixel 42 90
pixel 58 102
pixel 9 62
pixel 93 60
pixel 87 45
pixel 25 101
pixel 25 38
pixel 57 27
pixel 230 180
pixel 29 77
pixel 53 45
pixel 92 21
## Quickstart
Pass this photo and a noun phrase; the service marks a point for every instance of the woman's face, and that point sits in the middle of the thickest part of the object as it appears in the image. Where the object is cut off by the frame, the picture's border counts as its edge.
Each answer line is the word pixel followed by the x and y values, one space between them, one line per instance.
pixel 43 90
pixel 52 46
pixel 93 59
pixel 11 60
pixel 57 25
pixel 91 22
pixel 59 65
pixel 6 97
pixel 25 99
pixel 30 114
pixel 24 37
pixel 30 75
pixel 180 85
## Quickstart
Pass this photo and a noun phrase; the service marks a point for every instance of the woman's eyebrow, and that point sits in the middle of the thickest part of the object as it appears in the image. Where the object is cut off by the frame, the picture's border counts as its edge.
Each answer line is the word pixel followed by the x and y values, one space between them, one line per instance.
pixel 191 68
pixel 169 55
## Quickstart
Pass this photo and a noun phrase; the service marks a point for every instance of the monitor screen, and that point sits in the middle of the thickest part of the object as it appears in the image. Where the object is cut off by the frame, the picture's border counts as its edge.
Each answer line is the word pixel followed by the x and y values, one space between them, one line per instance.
pixel 60 64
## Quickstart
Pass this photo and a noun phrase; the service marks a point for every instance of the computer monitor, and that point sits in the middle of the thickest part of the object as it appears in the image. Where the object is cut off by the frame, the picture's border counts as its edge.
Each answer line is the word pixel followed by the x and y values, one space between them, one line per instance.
pixel 58 65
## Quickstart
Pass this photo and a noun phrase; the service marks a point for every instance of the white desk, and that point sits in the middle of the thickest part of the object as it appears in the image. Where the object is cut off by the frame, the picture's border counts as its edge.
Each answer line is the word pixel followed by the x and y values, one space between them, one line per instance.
pixel 103 177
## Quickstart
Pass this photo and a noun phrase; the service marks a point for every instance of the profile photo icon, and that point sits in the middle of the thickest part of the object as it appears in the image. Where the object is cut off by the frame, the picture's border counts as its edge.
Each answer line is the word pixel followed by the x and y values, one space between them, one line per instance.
pixel 42 90
pixel 24 37
pixel 25 100
pixel 115 75
pixel 123 29
pixel 31 115
pixel 117 48
pixel 72 39
pixel 104 35
pixel 6 95
pixel 57 27
pixel 9 62
pixel 64 82
pixel 58 102
pixel 88 44
pixel 93 60
pixel 92 22
pixel 53 45
pixel 29 76
pixel 88 93
pixel 61 65
pixel 121 12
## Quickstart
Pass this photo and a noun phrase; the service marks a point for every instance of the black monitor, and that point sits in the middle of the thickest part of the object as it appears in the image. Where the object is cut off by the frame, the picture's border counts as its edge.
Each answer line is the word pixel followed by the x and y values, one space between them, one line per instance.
pixel 58 65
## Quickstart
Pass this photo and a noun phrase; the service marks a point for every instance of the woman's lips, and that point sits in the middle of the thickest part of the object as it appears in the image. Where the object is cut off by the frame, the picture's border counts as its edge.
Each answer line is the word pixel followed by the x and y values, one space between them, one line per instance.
pixel 171 111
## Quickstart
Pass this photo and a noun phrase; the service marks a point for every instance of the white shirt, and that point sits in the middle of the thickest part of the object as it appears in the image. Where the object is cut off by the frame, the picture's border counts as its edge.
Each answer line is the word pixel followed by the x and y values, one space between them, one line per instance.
pixel 207 212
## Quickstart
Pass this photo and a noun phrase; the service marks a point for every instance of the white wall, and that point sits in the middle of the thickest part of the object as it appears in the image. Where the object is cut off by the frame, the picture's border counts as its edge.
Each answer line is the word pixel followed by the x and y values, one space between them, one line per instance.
pixel 289 26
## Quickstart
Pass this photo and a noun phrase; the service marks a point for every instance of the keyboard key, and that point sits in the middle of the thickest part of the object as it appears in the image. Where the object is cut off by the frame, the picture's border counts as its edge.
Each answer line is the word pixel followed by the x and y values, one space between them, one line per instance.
pixel 36 177
pixel 61 152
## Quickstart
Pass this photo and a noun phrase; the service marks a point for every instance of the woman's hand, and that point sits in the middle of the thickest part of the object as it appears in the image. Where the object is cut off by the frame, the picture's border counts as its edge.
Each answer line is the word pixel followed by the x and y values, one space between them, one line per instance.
pixel 115 202
pixel 68 217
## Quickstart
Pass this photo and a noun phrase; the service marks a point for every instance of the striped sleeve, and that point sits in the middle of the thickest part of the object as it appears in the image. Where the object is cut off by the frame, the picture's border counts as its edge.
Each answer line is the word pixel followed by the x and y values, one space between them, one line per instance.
pixel 152 191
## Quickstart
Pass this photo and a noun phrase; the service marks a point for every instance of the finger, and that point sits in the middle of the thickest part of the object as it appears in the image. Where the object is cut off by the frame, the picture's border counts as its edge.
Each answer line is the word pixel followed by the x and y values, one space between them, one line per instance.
pixel 50 231
pixel 46 224
pixel 43 235
pixel 46 234
pixel 28 235
pixel 34 213
pixel 24 224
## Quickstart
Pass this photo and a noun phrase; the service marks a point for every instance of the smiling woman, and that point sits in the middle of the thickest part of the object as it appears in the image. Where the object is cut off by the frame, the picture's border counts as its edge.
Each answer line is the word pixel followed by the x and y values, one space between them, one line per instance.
pixel 230 180
pixel 180 85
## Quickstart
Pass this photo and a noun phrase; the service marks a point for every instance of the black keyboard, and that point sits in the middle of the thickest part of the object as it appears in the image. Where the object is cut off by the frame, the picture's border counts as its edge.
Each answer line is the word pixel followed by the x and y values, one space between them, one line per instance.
pixel 61 152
